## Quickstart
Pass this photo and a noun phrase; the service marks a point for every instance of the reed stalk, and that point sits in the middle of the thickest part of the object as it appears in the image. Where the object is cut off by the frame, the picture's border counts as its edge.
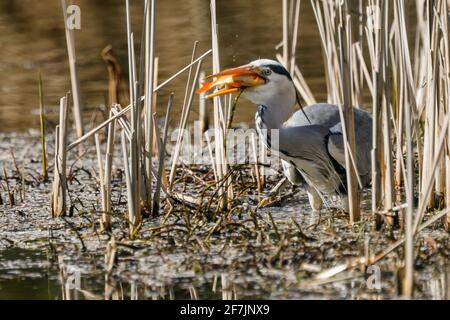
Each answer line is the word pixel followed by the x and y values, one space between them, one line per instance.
pixel 202 110
pixel 219 118
pixel 59 193
pixel 387 169
pixel 162 154
pixel 184 116
pixel 76 92
pixel 106 204
pixel 102 182
pixel 44 171
pixel 149 85
pixel 130 202
pixel 256 167
pixel 347 116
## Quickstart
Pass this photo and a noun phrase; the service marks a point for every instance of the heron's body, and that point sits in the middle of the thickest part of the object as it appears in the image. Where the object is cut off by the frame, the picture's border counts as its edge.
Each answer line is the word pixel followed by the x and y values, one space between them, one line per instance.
pixel 314 150
pixel 310 146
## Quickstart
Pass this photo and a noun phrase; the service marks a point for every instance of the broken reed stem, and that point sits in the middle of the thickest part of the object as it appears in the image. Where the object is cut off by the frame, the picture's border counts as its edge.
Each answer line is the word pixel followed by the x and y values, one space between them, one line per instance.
pixel 114 76
pixel 44 171
pixel 130 202
pixel 106 205
pixel 59 193
pixel 202 110
pixel 76 93
pixel 162 155
pixel 101 177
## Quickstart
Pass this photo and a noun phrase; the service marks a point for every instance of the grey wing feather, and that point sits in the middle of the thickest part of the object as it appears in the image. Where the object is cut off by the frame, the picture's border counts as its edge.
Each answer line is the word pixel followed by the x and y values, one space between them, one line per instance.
pixel 327 115
pixel 305 148
pixel 323 114
pixel 363 139
pixel 303 141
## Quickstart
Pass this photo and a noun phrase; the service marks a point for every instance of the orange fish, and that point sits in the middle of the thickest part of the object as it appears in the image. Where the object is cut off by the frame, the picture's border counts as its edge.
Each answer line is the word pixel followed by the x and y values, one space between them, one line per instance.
pixel 232 80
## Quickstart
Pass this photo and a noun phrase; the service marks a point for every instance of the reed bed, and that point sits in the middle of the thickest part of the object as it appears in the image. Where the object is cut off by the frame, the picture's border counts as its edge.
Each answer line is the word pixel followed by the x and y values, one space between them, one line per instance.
pixel 409 97
pixel 373 56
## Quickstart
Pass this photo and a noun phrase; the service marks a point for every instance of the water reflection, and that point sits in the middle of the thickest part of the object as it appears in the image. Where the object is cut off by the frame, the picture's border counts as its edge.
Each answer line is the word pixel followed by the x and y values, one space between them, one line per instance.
pixel 31 274
pixel 32 37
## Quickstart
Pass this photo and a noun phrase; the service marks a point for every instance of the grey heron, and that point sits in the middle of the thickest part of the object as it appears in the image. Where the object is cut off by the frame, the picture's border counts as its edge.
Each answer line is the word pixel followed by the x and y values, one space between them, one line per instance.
pixel 310 142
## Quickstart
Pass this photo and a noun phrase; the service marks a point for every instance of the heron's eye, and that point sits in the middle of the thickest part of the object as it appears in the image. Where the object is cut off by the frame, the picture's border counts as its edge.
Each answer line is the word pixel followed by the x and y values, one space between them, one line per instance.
pixel 266 72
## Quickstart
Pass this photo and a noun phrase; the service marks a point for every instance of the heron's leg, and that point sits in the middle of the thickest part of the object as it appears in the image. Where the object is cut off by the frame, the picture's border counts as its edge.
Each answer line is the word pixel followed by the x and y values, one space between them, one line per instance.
pixel 314 199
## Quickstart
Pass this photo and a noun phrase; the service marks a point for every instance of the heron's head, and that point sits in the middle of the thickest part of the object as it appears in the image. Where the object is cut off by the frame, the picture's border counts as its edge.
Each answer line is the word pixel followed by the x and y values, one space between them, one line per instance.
pixel 262 81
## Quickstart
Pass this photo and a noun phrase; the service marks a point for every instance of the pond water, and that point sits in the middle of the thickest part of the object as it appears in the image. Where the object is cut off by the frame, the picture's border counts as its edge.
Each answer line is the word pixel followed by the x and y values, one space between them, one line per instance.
pixel 35 274
pixel 28 274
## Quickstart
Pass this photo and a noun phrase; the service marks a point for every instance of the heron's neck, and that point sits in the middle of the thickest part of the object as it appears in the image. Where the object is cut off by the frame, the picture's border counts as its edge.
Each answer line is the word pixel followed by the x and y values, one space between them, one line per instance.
pixel 274 116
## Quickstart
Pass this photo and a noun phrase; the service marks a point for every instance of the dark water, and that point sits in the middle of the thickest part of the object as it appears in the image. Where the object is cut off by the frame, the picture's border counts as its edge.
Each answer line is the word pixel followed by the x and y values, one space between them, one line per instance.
pixel 32 37
pixel 36 275
pixel 28 274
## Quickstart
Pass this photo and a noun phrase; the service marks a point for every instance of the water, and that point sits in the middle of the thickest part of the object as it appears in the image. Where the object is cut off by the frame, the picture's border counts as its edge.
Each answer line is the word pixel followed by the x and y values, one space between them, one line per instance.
pixel 32 38
pixel 28 274
pixel 34 274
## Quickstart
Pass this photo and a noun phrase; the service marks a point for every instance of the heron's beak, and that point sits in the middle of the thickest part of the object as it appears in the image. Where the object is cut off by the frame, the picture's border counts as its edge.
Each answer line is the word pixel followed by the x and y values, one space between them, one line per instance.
pixel 232 80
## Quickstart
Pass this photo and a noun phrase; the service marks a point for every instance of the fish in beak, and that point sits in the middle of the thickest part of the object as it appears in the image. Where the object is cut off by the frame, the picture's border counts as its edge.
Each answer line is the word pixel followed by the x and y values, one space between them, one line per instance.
pixel 232 80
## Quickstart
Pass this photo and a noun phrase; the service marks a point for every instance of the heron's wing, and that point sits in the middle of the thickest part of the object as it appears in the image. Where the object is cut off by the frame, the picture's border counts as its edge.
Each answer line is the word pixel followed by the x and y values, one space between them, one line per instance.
pixel 290 171
pixel 305 142
pixel 327 116
pixel 323 114
pixel 305 147
pixel 363 139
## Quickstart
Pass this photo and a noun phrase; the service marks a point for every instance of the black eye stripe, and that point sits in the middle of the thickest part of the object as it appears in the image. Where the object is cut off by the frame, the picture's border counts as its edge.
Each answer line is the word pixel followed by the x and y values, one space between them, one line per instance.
pixel 279 69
